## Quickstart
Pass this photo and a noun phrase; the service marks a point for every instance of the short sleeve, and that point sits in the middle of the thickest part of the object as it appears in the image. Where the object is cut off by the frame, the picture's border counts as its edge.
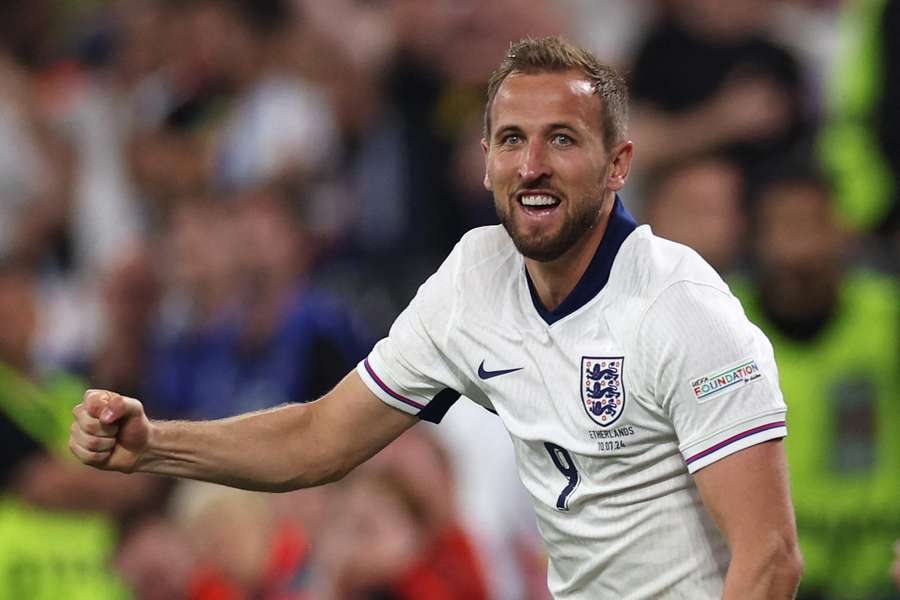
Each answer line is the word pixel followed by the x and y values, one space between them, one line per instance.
pixel 409 369
pixel 713 373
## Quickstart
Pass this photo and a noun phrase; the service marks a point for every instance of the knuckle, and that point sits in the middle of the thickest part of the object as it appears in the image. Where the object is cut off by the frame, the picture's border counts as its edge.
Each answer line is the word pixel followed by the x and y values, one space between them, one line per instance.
pixel 95 458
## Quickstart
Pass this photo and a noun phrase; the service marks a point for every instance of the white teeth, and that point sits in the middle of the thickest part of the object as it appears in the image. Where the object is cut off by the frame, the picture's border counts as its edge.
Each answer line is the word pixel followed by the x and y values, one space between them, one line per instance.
pixel 538 200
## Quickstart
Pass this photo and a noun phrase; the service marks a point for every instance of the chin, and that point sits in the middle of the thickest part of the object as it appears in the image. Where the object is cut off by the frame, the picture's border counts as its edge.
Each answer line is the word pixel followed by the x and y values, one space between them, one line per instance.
pixel 541 250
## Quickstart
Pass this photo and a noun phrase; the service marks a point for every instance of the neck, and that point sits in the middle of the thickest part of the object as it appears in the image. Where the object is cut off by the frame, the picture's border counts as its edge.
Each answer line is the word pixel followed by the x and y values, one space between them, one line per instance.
pixel 554 280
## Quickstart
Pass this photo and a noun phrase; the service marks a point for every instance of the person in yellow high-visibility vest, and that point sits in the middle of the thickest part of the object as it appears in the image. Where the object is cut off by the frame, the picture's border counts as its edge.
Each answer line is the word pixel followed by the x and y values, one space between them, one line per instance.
pixel 44 554
pixel 835 332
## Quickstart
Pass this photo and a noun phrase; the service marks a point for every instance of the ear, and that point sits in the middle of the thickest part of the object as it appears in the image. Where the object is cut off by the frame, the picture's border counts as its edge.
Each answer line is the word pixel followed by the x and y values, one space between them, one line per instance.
pixel 621 156
pixel 487 180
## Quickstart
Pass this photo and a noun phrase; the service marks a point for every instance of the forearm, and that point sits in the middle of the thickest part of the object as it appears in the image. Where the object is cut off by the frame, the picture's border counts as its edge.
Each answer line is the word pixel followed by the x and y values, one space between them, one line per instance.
pixel 662 137
pixel 272 450
pixel 759 575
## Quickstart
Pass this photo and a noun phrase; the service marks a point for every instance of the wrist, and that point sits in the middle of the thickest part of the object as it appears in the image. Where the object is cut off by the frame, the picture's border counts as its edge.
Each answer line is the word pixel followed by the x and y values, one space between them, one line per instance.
pixel 150 455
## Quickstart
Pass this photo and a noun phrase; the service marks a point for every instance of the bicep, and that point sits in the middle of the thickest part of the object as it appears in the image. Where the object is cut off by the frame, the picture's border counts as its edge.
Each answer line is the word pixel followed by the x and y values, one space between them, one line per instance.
pixel 748 496
pixel 353 424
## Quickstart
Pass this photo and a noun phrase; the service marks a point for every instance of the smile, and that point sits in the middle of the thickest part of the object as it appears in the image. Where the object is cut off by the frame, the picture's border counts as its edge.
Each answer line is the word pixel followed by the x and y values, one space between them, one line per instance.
pixel 538 200
pixel 537 204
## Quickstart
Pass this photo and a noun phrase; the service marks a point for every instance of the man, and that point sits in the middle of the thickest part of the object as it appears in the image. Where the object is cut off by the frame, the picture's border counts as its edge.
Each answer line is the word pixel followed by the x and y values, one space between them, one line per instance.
pixel 834 325
pixel 643 406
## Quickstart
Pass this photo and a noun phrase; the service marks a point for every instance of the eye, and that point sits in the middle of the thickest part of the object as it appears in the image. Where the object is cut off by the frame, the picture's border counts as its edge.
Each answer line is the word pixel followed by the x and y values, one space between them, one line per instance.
pixel 510 139
pixel 561 139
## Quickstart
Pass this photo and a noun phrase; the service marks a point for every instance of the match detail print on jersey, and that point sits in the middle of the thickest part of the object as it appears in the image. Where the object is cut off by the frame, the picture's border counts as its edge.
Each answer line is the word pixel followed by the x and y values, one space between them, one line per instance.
pixel 724 380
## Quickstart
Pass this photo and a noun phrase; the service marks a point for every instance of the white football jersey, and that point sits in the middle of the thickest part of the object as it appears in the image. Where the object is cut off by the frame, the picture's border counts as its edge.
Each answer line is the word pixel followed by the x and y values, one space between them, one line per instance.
pixel 647 372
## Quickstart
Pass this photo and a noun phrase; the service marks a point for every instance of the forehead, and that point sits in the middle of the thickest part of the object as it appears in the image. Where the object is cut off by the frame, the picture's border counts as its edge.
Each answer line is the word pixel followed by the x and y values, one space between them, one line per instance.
pixel 526 100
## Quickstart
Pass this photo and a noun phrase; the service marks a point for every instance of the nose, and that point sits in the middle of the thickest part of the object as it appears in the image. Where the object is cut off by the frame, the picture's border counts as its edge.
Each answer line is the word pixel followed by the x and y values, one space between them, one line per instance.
pixel 534 163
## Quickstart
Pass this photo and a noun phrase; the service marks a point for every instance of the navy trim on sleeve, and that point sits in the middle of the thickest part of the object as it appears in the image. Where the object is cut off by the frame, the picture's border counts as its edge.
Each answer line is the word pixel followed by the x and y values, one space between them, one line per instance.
pixel 439 406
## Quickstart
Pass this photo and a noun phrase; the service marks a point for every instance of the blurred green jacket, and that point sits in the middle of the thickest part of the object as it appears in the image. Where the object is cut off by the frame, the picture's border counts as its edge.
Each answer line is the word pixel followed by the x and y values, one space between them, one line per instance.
pixel 842 390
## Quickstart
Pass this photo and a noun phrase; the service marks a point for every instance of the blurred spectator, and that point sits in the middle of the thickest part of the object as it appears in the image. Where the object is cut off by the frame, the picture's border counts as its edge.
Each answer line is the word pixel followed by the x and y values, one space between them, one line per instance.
pixel 279 124
pixel 240 549
pixel 18 315
pixel 395 531
pixel 155 560
pixel 36 169
pixel 282 339
pixel 835 331
pixel 55 530
pixel 860 143
pixel 130 296
pixel 611 29
pixel 707 78
pixel 198 297
pixel 699 202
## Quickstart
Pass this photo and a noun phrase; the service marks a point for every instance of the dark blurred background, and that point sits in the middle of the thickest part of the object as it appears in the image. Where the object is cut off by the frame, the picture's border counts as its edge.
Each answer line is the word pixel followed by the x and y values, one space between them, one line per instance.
pixel 218 205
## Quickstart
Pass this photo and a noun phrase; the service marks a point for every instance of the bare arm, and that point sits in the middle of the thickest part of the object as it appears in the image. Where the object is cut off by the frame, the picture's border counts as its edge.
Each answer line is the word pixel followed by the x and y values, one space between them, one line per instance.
pixel 745 109
pixel 748 496
pixel 280 449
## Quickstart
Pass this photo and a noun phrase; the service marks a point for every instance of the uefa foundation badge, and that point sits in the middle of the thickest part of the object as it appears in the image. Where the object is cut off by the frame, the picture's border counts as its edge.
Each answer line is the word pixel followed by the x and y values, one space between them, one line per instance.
pixel 724 380
pixel 602 392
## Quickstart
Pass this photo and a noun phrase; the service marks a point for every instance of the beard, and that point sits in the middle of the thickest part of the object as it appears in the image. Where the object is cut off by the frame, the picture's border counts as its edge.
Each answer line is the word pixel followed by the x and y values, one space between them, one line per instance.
pixel 547 247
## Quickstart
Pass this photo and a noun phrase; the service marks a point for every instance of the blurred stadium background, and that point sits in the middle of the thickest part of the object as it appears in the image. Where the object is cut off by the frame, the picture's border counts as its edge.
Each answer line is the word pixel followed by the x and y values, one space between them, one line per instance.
pixel 218 205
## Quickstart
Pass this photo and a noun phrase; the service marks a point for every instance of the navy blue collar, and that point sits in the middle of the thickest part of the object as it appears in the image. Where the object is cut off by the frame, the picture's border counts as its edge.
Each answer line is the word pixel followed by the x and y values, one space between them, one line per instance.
pixel 620 225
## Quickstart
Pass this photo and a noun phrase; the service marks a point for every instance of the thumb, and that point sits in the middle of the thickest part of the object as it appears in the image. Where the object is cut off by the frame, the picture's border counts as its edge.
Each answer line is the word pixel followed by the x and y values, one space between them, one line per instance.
pixel 119 407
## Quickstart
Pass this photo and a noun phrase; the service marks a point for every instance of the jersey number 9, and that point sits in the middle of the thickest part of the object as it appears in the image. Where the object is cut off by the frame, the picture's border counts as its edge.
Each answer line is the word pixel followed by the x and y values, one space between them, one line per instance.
pixel 563 461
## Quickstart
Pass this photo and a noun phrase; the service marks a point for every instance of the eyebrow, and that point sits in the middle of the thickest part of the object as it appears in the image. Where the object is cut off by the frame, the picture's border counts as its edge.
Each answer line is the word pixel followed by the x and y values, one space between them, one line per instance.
pixel 557 126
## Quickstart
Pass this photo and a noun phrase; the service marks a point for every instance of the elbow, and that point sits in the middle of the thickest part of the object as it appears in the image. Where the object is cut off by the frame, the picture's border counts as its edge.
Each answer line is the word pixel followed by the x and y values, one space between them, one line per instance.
pixel 327 472
pixel 791 561
pixel 783 565
pixel 786 558
pixel 774 565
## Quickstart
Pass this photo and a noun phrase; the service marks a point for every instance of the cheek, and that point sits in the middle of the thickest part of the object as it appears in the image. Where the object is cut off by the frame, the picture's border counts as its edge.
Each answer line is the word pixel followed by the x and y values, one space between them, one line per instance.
pixel 502 169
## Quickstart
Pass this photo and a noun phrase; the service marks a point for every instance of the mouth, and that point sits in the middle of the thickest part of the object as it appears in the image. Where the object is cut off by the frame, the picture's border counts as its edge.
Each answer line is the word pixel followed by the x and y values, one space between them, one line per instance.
pixel 537 202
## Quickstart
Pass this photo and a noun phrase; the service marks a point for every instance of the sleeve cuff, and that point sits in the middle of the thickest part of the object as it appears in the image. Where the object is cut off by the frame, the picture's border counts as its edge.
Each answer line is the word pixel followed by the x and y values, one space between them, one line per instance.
pixel 386 391
pixel 733 439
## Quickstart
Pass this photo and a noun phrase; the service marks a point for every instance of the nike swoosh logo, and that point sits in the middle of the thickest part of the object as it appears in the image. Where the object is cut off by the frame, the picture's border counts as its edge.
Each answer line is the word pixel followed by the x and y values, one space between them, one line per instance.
pixel 485 374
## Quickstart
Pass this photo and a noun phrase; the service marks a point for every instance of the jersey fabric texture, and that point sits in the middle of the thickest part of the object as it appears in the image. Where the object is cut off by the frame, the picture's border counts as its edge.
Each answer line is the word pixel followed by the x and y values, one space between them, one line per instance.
pixel 647 372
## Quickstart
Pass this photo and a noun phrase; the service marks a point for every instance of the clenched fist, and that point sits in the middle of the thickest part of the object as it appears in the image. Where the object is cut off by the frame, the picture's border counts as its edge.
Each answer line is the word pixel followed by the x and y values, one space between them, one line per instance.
pixel 110 431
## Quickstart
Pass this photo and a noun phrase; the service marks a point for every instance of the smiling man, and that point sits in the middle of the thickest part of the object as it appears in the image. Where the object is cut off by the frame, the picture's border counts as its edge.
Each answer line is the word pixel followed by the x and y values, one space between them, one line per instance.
pixel 643 406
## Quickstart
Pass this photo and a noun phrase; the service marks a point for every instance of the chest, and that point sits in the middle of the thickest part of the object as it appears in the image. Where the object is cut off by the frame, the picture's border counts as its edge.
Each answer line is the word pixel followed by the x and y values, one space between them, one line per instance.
pixel 576 384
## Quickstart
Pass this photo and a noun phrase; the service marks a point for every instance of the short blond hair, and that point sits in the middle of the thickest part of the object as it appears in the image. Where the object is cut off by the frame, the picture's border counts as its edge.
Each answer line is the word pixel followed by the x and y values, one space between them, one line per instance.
pixel 555 54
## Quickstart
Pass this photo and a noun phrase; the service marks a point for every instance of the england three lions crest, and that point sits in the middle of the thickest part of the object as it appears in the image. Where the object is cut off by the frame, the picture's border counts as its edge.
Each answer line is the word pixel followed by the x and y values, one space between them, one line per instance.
pixel 602 391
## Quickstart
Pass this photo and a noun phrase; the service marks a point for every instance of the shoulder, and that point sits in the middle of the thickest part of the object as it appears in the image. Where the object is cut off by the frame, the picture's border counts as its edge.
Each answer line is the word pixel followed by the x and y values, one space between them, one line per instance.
pixel 650 267
pixel 480 257
pixel 478 267
pixel 485 245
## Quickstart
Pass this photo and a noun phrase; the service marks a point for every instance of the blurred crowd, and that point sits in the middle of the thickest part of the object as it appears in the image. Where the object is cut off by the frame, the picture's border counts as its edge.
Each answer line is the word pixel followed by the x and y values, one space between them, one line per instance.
pixel 218 205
